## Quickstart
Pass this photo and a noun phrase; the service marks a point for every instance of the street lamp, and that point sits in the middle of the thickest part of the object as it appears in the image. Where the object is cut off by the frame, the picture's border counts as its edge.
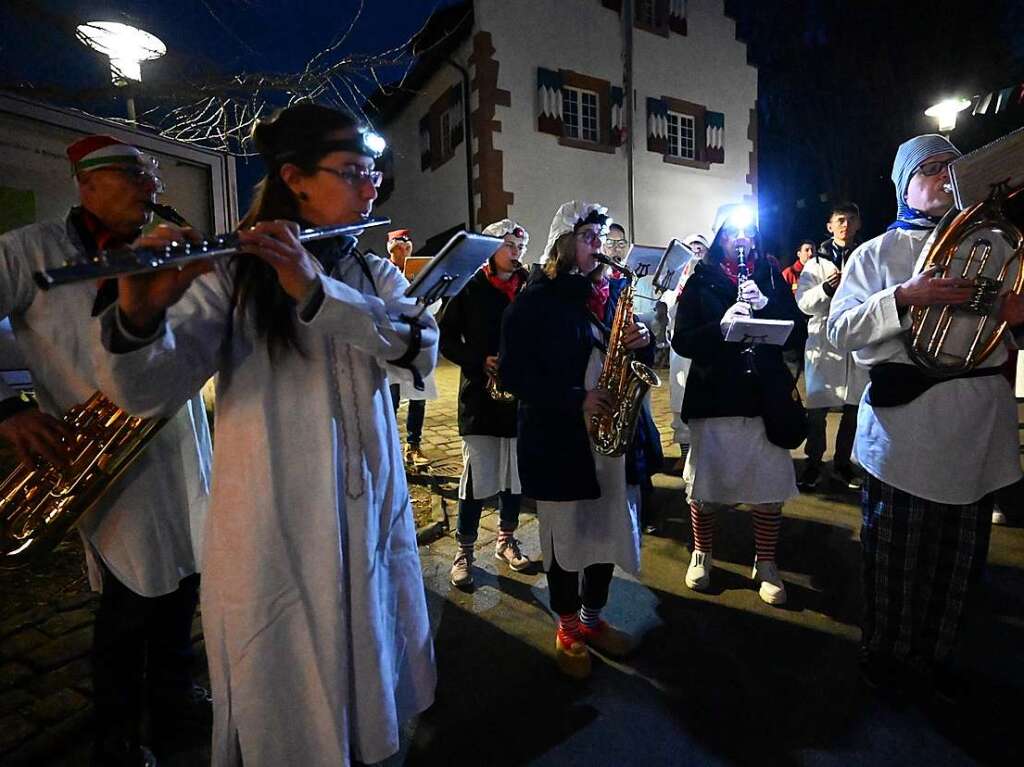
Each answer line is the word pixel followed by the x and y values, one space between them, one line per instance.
pixel 126 46
pixel 945 113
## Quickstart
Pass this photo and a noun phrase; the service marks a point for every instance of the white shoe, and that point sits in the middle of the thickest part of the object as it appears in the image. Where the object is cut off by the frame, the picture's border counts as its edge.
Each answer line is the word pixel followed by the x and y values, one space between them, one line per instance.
pixel 773 590
pixel 508 551
pixel 998 517
pixel 461 574
pixel 698 574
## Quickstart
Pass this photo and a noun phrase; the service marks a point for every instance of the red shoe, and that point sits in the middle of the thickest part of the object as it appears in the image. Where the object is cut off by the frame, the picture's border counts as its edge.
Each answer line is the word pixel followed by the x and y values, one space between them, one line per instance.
pixel 572 656
pixel 607 639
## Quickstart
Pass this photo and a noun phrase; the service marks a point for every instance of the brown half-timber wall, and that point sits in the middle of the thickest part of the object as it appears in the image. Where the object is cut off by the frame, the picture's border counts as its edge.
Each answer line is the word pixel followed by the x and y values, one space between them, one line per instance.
pixel 489 162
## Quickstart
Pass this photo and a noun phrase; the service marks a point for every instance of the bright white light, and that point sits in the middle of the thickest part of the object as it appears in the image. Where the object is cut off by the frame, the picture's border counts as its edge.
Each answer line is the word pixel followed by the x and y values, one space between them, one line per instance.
pixel 126 46
pixel 945 112
pixel 741 218
pixel 374 142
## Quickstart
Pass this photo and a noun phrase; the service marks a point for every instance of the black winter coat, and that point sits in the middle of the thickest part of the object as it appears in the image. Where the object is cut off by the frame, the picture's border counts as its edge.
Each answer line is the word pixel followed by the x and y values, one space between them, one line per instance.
pixel 546 343
pixel 718 385
pixel 470 332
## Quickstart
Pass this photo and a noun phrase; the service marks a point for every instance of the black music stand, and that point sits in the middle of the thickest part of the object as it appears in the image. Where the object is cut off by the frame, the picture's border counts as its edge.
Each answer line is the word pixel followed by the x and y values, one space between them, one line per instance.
pixel 449 271
pixel 670 267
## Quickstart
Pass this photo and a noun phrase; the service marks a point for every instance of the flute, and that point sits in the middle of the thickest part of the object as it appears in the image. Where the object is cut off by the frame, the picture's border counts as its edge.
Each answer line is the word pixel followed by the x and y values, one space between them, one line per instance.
pixel 124 261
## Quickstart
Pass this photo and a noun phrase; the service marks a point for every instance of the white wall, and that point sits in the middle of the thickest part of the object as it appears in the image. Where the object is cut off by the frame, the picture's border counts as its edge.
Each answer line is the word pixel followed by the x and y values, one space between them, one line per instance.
pixel 424 201
pixel 708 66
pixel 579 35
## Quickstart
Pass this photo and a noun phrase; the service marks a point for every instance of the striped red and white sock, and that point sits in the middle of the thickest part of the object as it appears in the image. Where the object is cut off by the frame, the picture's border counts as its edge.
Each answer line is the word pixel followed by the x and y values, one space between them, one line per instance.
pixel 702 518
pixel 504 536
pixel 590 616
pixel 767 521
pixel 569 628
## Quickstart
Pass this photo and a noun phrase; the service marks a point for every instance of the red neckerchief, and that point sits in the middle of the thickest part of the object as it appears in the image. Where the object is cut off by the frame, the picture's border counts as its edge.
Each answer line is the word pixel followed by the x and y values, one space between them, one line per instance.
pixel 598 298
pixel 508 287
pixel 103 237
pixel 731 269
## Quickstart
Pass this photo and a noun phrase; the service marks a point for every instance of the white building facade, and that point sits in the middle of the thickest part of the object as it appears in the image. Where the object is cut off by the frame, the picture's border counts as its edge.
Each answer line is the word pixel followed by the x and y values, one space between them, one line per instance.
pixel 545 118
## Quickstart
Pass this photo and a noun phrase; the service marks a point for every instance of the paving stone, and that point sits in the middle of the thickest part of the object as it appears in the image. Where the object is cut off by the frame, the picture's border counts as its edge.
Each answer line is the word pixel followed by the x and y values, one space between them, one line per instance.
pixel 12 674
pixel 76 674
pixel 67 743
pixel 63 623
pixel 14 728
pixel 22 643
pixel 24 620
pixel 59 651
pixel 56 707
pixel 88 599
pixel 14 700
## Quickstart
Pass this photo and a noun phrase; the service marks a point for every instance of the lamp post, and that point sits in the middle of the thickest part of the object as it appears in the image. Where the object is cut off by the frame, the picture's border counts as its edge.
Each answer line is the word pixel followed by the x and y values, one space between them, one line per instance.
pixel 127 47
pixel 945 112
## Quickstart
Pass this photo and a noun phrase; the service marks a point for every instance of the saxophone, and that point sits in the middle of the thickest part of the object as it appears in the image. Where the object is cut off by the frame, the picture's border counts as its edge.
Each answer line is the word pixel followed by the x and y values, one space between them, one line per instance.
pixel 625 378
pixel 39 503
pixel 494 390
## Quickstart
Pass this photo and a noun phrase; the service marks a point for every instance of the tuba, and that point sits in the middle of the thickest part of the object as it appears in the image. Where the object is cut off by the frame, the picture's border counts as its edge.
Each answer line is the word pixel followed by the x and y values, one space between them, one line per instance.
pixel 624 377
pixel 39 503
pixel 983 243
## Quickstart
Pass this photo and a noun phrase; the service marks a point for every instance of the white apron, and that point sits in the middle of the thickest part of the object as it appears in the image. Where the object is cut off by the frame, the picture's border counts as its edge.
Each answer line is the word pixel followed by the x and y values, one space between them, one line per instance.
pixel 596 531
pixel 493 463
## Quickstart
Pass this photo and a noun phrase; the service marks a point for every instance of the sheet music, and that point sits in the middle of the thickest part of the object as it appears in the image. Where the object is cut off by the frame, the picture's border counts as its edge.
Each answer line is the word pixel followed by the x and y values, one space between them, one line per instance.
pixel 974 174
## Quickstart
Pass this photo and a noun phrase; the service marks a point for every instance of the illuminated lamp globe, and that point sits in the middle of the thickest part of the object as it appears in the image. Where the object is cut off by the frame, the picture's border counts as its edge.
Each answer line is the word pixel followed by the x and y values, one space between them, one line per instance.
pixel 126 46
pixel 945 112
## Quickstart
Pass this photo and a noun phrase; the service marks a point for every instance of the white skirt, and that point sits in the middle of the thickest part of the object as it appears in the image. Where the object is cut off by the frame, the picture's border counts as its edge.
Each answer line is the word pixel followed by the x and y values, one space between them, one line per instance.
pixel 731 461
pixel 493 463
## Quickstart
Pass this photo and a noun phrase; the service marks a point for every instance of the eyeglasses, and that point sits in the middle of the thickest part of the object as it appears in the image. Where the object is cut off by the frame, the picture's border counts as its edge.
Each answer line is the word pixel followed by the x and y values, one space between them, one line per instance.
pixel 516 246
pixel 591 237
pixel 617 244
pixel 138 176
pixel 354 176
pixel 933 168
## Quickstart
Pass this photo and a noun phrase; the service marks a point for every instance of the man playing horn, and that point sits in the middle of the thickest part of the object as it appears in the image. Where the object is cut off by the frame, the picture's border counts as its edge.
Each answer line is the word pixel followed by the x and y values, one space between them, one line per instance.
pixel 933 455
pixel 139 540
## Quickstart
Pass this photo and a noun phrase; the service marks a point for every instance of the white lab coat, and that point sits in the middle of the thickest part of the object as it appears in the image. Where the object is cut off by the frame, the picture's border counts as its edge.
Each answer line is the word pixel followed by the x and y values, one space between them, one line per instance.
pixel 678 366
pixel 833 378
pixel 147 529
pixel 313 602
pixel 958 440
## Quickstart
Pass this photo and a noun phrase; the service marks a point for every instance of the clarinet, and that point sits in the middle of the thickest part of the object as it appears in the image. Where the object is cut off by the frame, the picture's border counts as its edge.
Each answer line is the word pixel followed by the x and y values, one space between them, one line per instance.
pixel 742 275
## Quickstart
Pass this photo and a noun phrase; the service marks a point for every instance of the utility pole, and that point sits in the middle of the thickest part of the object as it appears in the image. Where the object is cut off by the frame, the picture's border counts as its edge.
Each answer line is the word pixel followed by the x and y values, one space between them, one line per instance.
pixel 627 108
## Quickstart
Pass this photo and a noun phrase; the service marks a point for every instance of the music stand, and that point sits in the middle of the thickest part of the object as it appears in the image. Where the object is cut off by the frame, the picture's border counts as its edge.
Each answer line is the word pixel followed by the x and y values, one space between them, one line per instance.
pixel 751 332
pixel 643 260
pixel 449 271
pixel 670 268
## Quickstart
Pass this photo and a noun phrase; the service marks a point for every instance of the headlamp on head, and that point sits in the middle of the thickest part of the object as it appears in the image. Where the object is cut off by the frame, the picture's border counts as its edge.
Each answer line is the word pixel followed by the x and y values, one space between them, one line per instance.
pixel 740 219
pixel 373 143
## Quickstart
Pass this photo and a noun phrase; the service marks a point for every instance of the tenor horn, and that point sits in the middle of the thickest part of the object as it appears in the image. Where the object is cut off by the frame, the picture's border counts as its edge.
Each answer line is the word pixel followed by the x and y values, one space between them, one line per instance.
pixel 983 243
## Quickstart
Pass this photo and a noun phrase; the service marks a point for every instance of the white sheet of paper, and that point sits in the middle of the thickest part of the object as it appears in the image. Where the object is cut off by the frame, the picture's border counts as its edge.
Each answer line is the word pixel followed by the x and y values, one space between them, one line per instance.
pixel 754 331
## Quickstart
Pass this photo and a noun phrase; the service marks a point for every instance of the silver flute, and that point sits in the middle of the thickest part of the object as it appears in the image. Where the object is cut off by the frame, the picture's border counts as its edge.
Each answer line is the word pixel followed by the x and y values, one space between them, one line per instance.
pixel 124 261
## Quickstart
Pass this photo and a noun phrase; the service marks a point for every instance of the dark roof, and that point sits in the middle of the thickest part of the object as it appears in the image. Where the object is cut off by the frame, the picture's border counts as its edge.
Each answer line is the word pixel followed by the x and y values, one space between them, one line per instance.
pixel 441 36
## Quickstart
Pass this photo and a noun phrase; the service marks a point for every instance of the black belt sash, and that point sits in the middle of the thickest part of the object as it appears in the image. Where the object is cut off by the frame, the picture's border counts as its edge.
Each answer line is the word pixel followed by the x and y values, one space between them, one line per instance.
pixel 897 383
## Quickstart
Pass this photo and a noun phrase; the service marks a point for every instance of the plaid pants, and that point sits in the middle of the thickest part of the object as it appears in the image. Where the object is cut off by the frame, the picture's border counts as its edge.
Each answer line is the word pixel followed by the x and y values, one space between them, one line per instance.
pixel 920 561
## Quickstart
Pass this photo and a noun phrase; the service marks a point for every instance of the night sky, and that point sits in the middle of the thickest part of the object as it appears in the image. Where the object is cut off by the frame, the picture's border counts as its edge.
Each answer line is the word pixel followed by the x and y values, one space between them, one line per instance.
pixel 841 83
